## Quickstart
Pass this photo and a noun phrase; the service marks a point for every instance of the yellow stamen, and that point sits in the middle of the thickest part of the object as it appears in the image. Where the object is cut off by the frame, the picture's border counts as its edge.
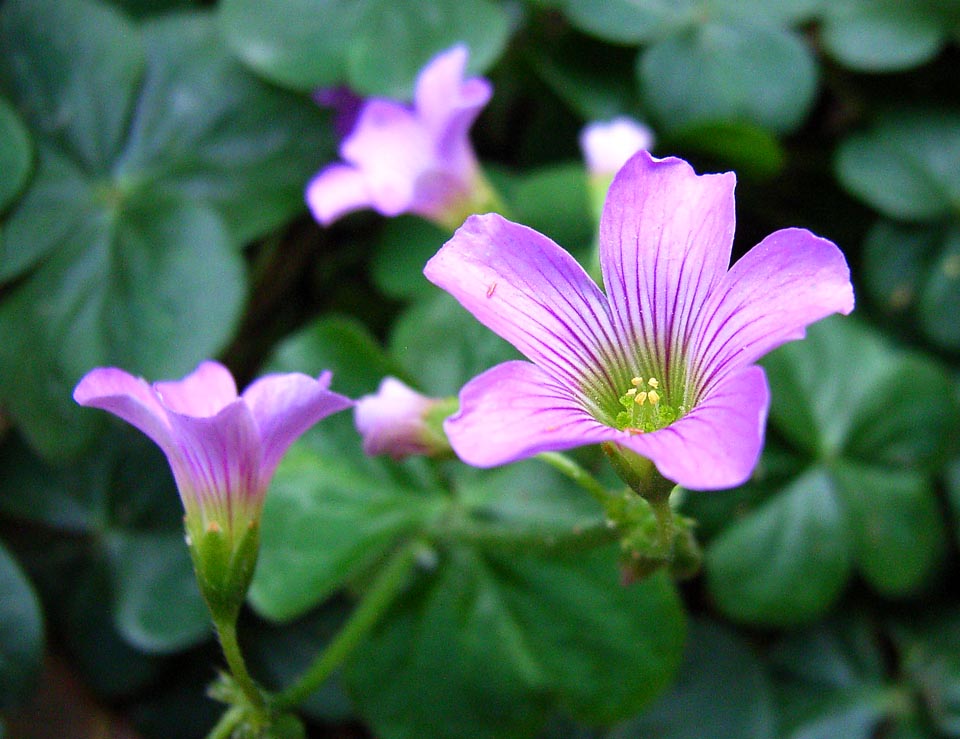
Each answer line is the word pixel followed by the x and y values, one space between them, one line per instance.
pixel 654 397
pixel 652 382
pixel 636 382
pixel 641 398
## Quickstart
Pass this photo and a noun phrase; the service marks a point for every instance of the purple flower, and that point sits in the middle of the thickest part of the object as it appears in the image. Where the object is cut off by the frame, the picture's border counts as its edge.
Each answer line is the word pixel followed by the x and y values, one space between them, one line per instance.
pixel 662 362
pixel 223 449
pixel 399 421
pixel 419 160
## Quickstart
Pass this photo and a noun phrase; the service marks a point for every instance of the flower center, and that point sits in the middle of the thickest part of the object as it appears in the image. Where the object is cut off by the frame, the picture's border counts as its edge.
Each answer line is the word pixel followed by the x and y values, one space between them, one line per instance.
pixel 644 407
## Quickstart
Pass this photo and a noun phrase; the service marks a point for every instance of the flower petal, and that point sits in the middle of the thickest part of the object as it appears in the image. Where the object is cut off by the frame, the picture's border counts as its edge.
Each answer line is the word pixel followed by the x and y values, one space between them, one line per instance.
pixel 788 281
pixel 531 292
pixel 717 444
pixel 127 397
pixel 218 462
pixel 392 149
pixel 447 105
pixel 515 410
pixel 337 190
pixel 204 392
pixel 284 406
pixel 665 240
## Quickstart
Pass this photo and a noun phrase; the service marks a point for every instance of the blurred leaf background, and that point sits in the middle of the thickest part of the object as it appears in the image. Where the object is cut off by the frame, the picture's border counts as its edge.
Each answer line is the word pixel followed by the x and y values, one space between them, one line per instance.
pixel 153 156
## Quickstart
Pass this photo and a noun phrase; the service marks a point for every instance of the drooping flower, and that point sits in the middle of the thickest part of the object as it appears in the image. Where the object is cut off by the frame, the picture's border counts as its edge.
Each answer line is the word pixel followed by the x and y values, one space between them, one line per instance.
pixel 661 363
pixel 419 159
pixel 223 450
pixel 399 421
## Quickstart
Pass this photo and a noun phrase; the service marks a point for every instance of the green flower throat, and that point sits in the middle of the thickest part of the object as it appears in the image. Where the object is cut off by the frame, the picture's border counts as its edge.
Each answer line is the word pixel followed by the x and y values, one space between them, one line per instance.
pixel 645 409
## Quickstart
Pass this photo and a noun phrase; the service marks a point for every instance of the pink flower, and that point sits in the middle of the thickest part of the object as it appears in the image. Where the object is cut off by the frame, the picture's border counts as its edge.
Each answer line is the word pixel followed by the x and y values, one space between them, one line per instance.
pixel 223 448
pixel 399 421
pixel 661 364
pixel 418 159
pixel 608 145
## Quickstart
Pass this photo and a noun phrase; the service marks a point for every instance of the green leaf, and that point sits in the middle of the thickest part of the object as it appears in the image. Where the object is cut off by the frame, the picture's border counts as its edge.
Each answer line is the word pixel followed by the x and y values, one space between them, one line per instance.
pixel 647 21
pixel 324 523
pixel 834 394
pixel 123 483
pixel 527 633
pixel 929 645
pixel 158 607
pixel 401 252
pixel 375 46
pixel 443 346
pixel 205 129
pixel 907 165
pixel 831 682
pixel 301 44
pixel 897 531
pixel 21 632
pixel 337 343
pixel 940 302
pixel 749 149
pixel 151 147
pixel 705 703
pixel 866 500
pixel 16 155
pixel 86 620
pixel 554 201
pixel 881 35
pixel 72 67
pixel 594 79
pixel 151 289
pixel 729 72
pixel 897 257
pixel 760 569
pixel 398 39
pixel 913 273
pixel 628 21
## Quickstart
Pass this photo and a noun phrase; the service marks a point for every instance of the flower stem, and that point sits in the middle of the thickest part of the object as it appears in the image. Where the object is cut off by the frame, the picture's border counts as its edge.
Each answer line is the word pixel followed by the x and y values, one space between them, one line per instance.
pixel 227 723
pixel 575 539
pixel 666 530
pixel 566 466
pixel 227 632
pixel 365 616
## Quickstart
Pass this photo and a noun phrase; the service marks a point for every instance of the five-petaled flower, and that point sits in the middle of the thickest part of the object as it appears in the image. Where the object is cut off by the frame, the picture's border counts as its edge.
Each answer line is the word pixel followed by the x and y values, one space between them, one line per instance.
pixel 662 363
pixel 418 159
pixel 223 450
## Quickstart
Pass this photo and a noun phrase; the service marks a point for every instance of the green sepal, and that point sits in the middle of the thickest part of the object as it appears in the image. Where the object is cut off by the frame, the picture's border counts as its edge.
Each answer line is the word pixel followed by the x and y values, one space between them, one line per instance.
pixel 638 472
pixel 434 436
pixel 224 562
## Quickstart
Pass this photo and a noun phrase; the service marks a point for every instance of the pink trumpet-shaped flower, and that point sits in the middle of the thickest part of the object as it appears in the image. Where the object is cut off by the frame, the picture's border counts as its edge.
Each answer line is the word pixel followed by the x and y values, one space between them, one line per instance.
pixel 418 159
pixel 662 363
pixel 223 448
